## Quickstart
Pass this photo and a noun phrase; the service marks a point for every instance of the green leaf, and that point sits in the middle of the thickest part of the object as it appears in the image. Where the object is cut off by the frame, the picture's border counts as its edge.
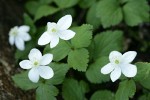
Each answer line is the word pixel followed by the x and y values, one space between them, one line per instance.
pixel 106 42
pixel 144 97
pixel 29 21
pixel 32 6
pixel 136 12
pixel 126 89
pixel 46 92
pixel 45 1
pixel 93 73
pixel 91 17
pixel 83 36
pixel 103 95
pixel 66 3
pixel 110 12
pixel 143 74
pixel 44 10
pixel 60 71
pixel 22 81
pixel 60 51
pixel 74 90
pixel 78 59
pixel 86 3
pixel 24 54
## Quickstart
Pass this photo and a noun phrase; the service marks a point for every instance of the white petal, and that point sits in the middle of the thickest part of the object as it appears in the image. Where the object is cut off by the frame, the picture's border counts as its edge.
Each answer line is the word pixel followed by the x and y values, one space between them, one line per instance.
pixel 51 26
pixel 44 39
pixel 46 59
pixel 24 28
pixel 19 43
pixel 129 56
pixel 65 22
pixel 11 40
pixel 115 55
pixel 115 74
pixel 54 41
pixel 129 70
pixel 46 72
pixel 35 54
pixel 66 35
pixel 33 75
pixel 25 36
pixel 107 69
pixel 25 64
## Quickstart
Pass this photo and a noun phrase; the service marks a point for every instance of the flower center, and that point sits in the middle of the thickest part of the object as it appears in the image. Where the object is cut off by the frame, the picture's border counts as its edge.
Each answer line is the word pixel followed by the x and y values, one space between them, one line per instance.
pixel 14 31
pixel 54 30
pixel 116 61
pixel 36 63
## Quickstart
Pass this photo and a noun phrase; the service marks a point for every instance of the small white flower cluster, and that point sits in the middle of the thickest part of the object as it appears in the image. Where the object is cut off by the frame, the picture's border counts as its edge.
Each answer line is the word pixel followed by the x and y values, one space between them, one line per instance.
pixel 38 63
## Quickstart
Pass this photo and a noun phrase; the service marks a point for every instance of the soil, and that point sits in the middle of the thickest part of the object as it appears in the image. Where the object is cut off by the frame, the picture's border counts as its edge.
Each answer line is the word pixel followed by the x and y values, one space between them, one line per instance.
pixel 11 12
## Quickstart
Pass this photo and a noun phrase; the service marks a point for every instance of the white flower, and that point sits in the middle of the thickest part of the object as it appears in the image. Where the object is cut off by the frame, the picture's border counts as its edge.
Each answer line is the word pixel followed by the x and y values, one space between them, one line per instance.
pixel 56 31
pixel 18 35
pixel 38 65
pixel 120 63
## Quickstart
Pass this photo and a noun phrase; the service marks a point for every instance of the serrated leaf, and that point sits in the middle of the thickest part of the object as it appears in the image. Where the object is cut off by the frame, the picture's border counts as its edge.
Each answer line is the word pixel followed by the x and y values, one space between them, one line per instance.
pixel 46 92
pixel 143 74
pixel 66 3
pixel 60 51
pixel 93 73
pixel 73 90
pixel 83 36
pixel 91 17
pixel 60 71
pixel 28 21
pixel 103 95
pixel 136 12
pixel 32 6
pixel 106 42
pixel 22 81
pixel 110 12
pixel 78 59
pixel 126 89
pixel 45 10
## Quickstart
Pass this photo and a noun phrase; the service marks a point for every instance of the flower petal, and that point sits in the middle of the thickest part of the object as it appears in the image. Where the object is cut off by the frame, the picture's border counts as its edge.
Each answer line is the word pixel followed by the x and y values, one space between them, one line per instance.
pixel 129 70
pixel 129 56
pixel 46 72
pixel 25 64
pixel 115 55
pixel 51 26
pixel 35 54
pixel 54 41
pixel 115 74
pixel 11 40
pixel 25 36
pixel 34 75
pixel 24 28
pixel 44 39
pixel 66 35
pixel 46 59
pixel 107 69
pixel 64 22
pixel 19 43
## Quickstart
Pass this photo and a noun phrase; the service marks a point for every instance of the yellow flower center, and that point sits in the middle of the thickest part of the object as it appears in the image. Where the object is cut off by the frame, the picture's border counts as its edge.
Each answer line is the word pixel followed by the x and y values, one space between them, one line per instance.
pixel 36 63
pixel 117 61
pixel 54 30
